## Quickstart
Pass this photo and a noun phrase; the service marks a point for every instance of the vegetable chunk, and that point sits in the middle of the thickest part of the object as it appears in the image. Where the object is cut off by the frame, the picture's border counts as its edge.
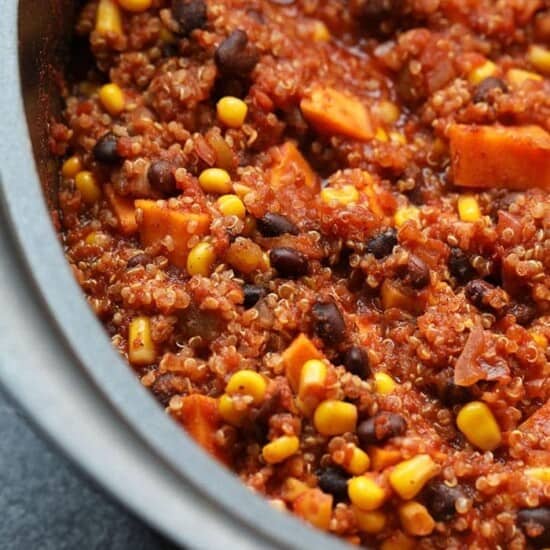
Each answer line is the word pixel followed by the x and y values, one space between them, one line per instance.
pixel 123 209
pixel 497 156
pixel 159 222
pixel 332 112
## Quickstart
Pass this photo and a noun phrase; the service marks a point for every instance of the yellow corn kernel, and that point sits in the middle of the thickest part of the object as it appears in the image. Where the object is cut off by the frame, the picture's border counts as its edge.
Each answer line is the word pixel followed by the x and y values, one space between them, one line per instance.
pixel 406 213
pixel 244 255
pixel 476 421
pixel 382 458
pixel 108 18
pixel 231 205
pixel 320 32
pixel 539 57
pixel 98 238
pixel 215 180
pixel 232 111
pixel 247 382
pixel 482 72
pixel 280 449
pixel 372 522
pixel 228 411
pixel 398 137
pixel 333 417
pixel 415 519
pixel 112 98
pixel 409 477
pixel 346 194
pixel 365 493
pixel 384 383
pixel 200 259
pixel 542 473
pixel 241 190
pixel 135 6
pixel 539 339
pixel 87 185
pixel 312 378
pixel 517 77
pixel 398 541
pixel 468 208
pixel 359 462
pixel 71 167
pixel 141 350
pixel 387 112
pixel 381 135
pixel 292 489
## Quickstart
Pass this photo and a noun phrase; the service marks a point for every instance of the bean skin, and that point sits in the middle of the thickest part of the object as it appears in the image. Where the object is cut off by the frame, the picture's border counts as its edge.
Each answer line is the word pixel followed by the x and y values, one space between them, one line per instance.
pixel 459 265
pixel 289 262
pixel 380 428
pixel 418 273
pixel 139 259
pixel 235 56
pixel 356 361
pixel 273 225
pixel 161 177
pixel 476 291
pixel 328 323
pixel 189 14
pixel 381 245
pixel 486 86
pixel 440 499
pixel 105 149
pixel 334 482
pixel 539 517
pixel 252 295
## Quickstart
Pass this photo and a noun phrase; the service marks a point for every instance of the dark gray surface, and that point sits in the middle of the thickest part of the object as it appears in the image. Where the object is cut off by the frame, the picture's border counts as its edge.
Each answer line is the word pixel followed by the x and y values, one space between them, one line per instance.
pixel 45 505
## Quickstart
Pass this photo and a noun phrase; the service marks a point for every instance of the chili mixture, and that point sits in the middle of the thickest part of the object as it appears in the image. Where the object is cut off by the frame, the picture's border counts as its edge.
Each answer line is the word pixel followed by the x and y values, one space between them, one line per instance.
pixel 319 232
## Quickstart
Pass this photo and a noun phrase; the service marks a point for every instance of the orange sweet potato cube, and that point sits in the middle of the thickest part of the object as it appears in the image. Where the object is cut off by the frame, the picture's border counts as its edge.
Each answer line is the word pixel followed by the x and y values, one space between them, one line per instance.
pixel 332 112
pixel 123 209
pixel 315 507
pixel 158 221
pixel 515 157
pixel 200 417
pixel 291 162
pixel 301 350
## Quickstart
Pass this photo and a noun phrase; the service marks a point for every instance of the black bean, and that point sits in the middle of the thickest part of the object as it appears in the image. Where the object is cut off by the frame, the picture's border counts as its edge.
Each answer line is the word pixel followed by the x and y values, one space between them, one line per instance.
pixel 381 245
pixel 356 361
pixel 328 323
pixel 189 14
pixel 486 86
pixel 380 428
pixel 476 291
pixel 418 273
pixel 273 225
pixel 334 482
pixel 235 56
pixel 139 259
pixel 451 394
pixel 289 262
pixel 440 499
pixel 524 313
pixel 252 294
pixel 161 177
pixel 536 525
pixel 105 149
pixel 459 265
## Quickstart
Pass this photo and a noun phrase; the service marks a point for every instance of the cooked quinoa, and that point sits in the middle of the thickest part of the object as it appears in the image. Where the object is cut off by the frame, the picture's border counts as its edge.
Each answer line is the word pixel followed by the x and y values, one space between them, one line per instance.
pixel 318 230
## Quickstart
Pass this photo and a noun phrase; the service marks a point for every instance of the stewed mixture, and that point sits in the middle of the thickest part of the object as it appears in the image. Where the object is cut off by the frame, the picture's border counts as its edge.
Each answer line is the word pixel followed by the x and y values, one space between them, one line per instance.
pixel 319 232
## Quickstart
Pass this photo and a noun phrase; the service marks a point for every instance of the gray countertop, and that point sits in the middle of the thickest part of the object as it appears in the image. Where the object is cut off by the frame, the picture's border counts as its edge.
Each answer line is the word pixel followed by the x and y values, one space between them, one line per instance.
pixel 46 505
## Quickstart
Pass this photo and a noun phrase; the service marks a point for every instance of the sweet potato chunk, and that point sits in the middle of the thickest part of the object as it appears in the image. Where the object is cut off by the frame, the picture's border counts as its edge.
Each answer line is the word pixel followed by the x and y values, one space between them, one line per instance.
pixel 315 507
pixel 332 112
pixel 158 222
pixel 290 167
pixel 123 209
pixel 498 156
pixel 301 350
pixel 200 417
pixel 538 423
